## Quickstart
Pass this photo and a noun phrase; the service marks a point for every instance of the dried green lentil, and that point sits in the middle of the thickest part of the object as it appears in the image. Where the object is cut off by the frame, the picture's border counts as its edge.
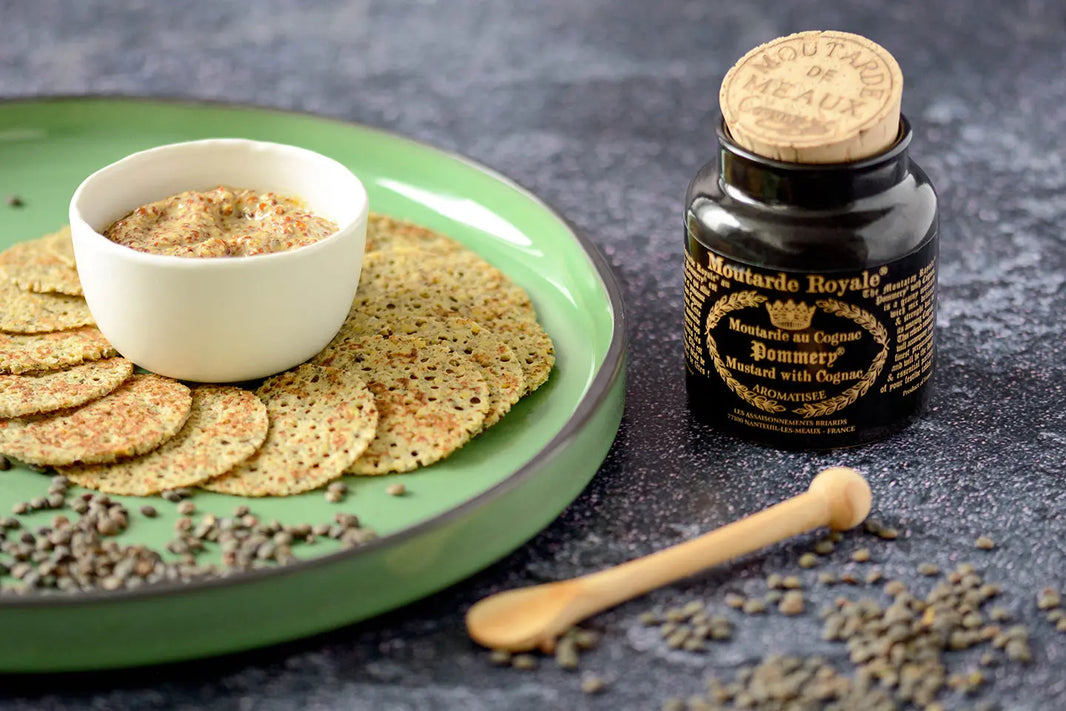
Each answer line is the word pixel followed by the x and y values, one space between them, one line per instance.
pixel 525 662
pixel 593 684
pixel 792 603
pixel 1049 598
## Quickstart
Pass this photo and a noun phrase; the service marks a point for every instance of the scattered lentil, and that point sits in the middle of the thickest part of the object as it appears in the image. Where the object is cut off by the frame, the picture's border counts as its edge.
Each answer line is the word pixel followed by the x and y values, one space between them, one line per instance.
pixel 754 606
pixel 396 490
pixel 928 569
pixel 500 657
pixel 524 661
pixel 984 543
pixel 734 600
pixel 861 556
pixel 593 684
pixel 792 603
pixel 808 560
pixel 566 655
pixel 1049 598
pixel 824 547
pixel 14 201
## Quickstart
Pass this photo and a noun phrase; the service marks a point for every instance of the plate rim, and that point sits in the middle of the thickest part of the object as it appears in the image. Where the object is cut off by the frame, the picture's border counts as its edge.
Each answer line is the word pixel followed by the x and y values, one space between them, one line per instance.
pixel 607 375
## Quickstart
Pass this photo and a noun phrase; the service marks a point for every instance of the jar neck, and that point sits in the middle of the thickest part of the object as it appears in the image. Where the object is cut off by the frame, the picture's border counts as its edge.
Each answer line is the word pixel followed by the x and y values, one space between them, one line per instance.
pixel 810 185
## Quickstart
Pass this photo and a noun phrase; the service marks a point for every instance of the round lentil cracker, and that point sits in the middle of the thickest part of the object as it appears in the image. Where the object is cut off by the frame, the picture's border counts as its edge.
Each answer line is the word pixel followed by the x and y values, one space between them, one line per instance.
pixel 29 312
pixel 499 365
pixel 533 347
pixel 414 282
pixel 385 233
pixel 34 266
pixel 47 391
pixel 61 245
pixel 430 400
pixel 459 284
pixel 22 353
pixel 145 411
pixel 226 426
pixel 321 420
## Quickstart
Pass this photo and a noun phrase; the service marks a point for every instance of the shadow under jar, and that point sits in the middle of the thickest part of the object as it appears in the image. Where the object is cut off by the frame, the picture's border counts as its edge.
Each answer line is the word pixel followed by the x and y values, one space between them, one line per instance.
pixel 810 296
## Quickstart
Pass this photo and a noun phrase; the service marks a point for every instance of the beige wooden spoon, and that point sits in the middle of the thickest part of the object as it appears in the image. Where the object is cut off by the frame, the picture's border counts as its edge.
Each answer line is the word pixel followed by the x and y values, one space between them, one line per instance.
pixel 525 618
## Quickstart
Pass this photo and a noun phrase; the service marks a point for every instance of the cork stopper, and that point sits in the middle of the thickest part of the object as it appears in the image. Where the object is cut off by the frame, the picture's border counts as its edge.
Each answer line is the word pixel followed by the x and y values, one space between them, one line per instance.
pixel 814 97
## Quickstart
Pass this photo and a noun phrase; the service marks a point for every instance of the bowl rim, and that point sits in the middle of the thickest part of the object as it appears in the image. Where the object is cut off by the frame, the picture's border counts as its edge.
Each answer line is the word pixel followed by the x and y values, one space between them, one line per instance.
pixel 101 242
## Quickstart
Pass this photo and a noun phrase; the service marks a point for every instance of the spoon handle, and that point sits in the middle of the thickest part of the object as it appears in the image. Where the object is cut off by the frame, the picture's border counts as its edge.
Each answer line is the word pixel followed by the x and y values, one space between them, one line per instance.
pixel 610 587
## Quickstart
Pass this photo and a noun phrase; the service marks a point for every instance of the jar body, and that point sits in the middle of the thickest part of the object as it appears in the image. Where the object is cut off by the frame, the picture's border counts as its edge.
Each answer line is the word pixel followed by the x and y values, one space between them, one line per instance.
pixel 810 296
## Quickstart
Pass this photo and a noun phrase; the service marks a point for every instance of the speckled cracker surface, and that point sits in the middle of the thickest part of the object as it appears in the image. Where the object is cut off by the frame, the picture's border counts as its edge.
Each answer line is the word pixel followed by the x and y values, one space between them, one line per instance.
pixel 499 365
pixel 532 345
pixel 405 282
pixel 27 312
pixel 21 353
pixel 459 284
pixel 385 233
pixel 430 400
pixel 34 266
pixel 226 426
pixel 32 393
pixel 321 420
pixel 145 411
pixel 61 245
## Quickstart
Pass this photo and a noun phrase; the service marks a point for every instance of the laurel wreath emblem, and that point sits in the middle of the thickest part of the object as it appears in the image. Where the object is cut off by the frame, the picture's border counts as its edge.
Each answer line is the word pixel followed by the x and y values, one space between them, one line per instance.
pixel 733 302
pixel 876 329
pixel 823 408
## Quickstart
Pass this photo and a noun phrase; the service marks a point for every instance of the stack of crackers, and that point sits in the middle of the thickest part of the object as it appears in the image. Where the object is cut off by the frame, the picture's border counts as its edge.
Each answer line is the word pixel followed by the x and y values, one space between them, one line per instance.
pixel 438 345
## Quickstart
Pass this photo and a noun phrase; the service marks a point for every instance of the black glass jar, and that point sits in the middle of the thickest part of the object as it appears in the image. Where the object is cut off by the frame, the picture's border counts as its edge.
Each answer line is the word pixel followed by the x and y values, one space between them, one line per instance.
pixel 810 296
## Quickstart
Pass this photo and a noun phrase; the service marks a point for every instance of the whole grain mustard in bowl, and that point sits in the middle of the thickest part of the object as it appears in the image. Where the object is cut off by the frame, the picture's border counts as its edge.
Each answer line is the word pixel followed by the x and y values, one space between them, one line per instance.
pixel 220 260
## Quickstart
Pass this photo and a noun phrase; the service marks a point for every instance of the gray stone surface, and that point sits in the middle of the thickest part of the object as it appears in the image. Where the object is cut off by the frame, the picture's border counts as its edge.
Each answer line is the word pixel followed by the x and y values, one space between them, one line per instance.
pixel 605 108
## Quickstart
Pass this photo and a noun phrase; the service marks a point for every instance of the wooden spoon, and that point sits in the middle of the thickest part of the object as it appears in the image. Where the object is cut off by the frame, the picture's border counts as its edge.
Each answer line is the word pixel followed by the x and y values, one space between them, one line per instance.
pixel 525 618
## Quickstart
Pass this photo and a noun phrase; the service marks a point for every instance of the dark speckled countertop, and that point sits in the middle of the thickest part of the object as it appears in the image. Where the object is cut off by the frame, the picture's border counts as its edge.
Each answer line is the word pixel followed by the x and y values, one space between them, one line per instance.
pixel 605 108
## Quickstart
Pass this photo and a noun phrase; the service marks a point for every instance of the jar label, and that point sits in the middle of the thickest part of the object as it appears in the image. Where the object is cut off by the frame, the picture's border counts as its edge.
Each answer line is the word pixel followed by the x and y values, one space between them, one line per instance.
pixel 806 353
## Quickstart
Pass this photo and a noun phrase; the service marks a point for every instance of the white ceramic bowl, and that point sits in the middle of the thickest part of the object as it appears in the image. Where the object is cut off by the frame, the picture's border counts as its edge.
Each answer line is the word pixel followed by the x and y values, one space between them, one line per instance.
pixel 220 319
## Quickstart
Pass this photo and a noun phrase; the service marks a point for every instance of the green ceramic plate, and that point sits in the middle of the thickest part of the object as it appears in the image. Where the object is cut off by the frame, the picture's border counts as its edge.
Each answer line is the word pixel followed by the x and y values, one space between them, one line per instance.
pixel 459 516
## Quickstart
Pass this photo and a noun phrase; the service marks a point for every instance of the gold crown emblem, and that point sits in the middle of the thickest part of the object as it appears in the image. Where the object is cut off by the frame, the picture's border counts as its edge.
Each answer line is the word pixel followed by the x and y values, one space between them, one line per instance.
pixel 790 315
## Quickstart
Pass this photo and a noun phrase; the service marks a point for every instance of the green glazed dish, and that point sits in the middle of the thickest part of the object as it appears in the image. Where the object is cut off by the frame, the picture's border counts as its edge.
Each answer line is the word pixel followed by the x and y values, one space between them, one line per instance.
pixel 458 516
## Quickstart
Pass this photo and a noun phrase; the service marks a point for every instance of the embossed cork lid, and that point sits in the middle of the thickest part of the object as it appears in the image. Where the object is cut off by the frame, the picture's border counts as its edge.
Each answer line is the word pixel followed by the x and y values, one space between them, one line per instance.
pixel 814 97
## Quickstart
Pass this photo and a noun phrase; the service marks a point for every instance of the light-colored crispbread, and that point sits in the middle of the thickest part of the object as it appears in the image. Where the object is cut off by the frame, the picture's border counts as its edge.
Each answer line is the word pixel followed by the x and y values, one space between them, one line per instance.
pixel 22 353
pixel 34 266
pixel 499 365
pixel 145 411
pixel 50 390
pixel 61 245
pixel 430 399
pixel 385 233
pixel 226 426
pixel 321 419
pixel 27 312
pixel 459 284
pixel 532 345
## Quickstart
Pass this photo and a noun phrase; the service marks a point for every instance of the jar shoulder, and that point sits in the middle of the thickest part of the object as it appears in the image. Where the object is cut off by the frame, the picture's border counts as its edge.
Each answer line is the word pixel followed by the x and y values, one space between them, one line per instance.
pixel 867 231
